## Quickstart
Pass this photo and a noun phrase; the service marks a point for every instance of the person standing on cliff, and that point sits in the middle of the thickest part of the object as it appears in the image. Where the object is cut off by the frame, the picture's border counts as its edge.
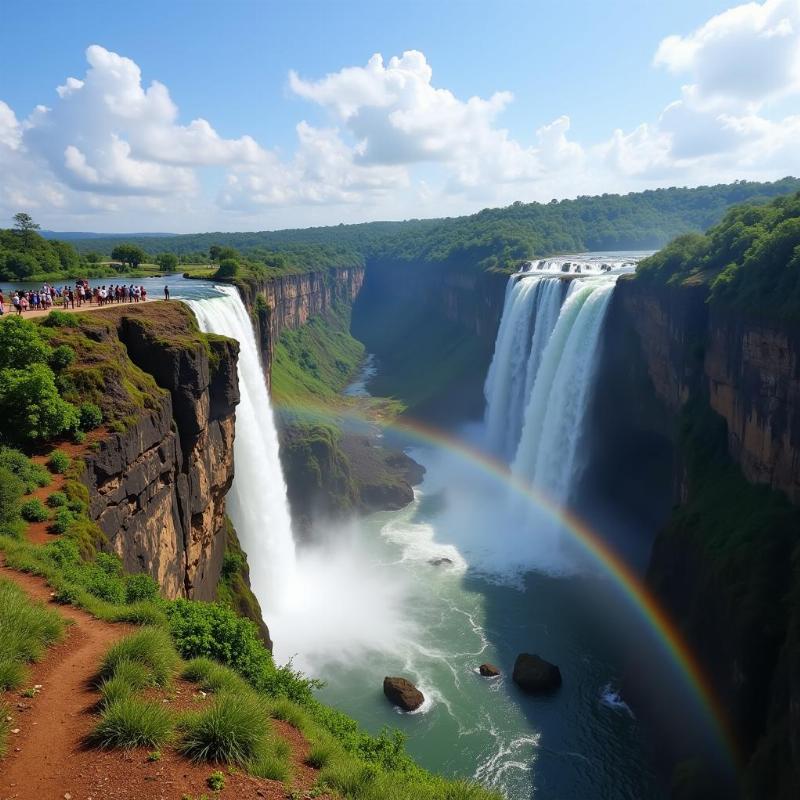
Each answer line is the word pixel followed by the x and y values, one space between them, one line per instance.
pixel 166 292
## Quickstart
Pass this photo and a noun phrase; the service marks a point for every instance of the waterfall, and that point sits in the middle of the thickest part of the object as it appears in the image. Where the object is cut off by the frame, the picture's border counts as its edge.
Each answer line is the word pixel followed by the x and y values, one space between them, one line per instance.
pixel 256 502
pixel 529 315
pixel 549 444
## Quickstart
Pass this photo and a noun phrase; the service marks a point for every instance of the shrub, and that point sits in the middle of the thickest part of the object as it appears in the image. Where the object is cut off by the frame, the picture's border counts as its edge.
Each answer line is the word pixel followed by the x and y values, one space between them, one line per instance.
pixel 150 647
pixel 59 461
pixel 31 406
pixel 216 781
pixel 61 357
pixel 21 344
pixel 11 488
pixel 90 416
pixel 60 319
pixel 62 520
pixel 139 588
pixel 128 678
pixel 129 722
pixel 272 762
pixel 31 474
pixel 56 500
pixel 231 730
pixel 228 268
pixel 33 510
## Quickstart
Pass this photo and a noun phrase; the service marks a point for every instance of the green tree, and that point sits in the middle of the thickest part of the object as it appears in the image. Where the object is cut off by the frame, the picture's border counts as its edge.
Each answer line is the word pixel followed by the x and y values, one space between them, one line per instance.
pixel 167 262
pixel 128 254
pixel 228 268
pixel 31 407
pixel 21 344
pixel 93 258
pixel 25 225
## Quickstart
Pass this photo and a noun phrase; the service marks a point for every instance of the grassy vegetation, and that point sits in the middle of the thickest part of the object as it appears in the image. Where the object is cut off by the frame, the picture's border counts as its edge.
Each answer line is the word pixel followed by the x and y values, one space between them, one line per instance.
pixel 130 722
pixel 316 361
pixel 27 628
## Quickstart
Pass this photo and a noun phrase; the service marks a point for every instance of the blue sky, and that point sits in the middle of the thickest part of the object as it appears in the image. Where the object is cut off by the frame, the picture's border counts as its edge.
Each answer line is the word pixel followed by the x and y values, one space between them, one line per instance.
pixel 576 73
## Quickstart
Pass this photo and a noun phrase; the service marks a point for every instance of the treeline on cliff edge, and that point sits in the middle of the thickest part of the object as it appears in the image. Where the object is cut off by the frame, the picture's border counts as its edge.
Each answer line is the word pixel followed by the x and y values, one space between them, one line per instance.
pixel 491 239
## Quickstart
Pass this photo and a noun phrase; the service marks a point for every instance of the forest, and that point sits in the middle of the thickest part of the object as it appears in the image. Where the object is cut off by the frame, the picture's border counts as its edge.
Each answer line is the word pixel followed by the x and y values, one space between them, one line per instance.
pixel 491 239
pixel 751 259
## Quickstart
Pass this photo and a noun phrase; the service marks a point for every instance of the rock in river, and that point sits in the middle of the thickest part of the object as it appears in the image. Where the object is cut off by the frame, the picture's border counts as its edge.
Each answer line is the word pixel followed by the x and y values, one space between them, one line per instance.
pixel 488 670
pixel 440 562
pixel 403 693
pixel 534 674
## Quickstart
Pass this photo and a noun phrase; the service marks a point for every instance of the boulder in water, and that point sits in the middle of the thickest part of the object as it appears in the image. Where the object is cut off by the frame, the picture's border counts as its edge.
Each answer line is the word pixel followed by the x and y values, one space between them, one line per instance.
pixel 440 562
pixel 488 670
pixel 535 675
pixel 403 693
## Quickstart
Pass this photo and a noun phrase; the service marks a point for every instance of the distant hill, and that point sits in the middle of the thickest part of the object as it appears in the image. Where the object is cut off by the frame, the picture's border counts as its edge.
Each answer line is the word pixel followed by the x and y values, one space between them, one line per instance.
pixel 69 236
pixel 493 238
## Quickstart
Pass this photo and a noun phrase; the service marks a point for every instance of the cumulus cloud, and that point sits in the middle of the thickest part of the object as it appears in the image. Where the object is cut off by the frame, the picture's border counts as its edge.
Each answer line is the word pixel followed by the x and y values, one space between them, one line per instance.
pixel 748 54
pixel 394 142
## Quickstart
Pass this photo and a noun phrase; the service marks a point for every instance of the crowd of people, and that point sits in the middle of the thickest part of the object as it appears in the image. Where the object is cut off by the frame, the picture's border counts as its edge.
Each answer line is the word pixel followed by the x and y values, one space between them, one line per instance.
pixel 80 294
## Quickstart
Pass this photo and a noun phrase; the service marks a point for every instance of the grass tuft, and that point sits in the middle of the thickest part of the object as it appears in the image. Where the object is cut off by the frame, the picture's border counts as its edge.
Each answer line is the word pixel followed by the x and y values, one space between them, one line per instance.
pixel 151 647
pixel 231 730
pixel 129 722
pixel 213 677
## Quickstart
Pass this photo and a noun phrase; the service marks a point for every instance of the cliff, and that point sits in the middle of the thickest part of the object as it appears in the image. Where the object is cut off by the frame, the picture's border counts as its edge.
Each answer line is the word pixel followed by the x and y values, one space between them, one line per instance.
pixel 724 561
pixel 432 328
pixel 287 302
pixel 157 480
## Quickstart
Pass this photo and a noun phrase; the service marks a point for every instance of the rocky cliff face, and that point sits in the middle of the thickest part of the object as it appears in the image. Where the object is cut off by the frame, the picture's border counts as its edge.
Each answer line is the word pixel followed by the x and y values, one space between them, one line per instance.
pixel 157 485
pixel 728 392
pixel 747 367
pixel 288 301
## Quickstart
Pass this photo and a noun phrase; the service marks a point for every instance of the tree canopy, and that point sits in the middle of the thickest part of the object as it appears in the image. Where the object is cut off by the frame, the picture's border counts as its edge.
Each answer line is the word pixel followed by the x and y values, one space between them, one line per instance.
pixel 129 254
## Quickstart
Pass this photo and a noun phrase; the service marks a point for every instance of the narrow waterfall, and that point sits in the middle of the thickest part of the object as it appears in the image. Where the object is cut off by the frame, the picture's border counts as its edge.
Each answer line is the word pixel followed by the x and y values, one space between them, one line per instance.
pixel 257 503
pixel 529 315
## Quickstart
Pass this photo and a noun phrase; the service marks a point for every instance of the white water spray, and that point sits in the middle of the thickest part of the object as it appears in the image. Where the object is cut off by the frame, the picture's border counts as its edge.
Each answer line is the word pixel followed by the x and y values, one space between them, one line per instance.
pixel 257 502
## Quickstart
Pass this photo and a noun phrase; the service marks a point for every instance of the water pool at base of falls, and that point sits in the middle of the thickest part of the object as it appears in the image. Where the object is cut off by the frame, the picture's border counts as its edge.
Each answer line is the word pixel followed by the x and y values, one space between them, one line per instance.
pixel 436 624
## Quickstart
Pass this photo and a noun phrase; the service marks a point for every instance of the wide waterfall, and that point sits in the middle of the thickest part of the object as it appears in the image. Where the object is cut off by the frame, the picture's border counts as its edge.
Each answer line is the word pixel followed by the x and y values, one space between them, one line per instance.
pixel 256 502
pixel 539 383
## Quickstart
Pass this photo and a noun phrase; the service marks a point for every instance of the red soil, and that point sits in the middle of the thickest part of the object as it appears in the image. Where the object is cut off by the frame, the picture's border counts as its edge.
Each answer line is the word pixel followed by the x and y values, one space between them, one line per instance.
pixel 47 758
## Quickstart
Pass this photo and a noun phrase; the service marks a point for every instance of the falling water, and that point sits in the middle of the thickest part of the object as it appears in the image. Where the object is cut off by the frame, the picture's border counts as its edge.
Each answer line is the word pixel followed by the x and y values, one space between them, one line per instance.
pixel 256 502
pixel 529 315
pixel 554 416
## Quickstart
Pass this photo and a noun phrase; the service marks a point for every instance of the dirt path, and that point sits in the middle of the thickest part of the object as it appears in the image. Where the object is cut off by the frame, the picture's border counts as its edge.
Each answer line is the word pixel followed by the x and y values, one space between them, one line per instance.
pixel 48 760
pixel 11 311
pixel 52 725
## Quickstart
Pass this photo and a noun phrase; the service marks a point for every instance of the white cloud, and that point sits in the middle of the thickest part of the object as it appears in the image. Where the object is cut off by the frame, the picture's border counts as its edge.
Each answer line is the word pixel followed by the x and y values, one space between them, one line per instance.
pixel 394 142
pixel 748 54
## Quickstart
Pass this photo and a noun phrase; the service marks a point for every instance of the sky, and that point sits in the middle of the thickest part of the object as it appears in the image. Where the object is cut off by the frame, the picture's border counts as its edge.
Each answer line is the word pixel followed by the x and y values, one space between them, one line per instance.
pixel 192 115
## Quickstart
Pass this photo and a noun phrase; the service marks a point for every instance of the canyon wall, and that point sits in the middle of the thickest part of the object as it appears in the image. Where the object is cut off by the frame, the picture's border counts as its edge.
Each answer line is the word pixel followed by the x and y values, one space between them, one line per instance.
pixel 157 484
pixel 723 389
pixel 288 301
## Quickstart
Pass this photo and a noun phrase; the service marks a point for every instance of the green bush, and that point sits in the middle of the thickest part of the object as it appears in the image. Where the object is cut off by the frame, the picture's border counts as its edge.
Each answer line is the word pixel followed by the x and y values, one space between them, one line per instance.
pixel 231 730
pixel 30 405
pixel 90 416
pixel 56 500
pixel 140 587
pixel 61 357
pixel 31 474
pixel 33 510
pixel 59 461
pixel 228 268
pixel 129 722
pixel 61 319
pixel 11 488
pixel 320 754
pixel 150 647
pixel 62 519
pixel 21 344
pixel 128 678
pixel 216 781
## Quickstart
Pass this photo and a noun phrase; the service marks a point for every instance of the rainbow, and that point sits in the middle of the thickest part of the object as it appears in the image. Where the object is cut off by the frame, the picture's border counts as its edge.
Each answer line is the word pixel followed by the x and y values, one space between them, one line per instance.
pixel 601 553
